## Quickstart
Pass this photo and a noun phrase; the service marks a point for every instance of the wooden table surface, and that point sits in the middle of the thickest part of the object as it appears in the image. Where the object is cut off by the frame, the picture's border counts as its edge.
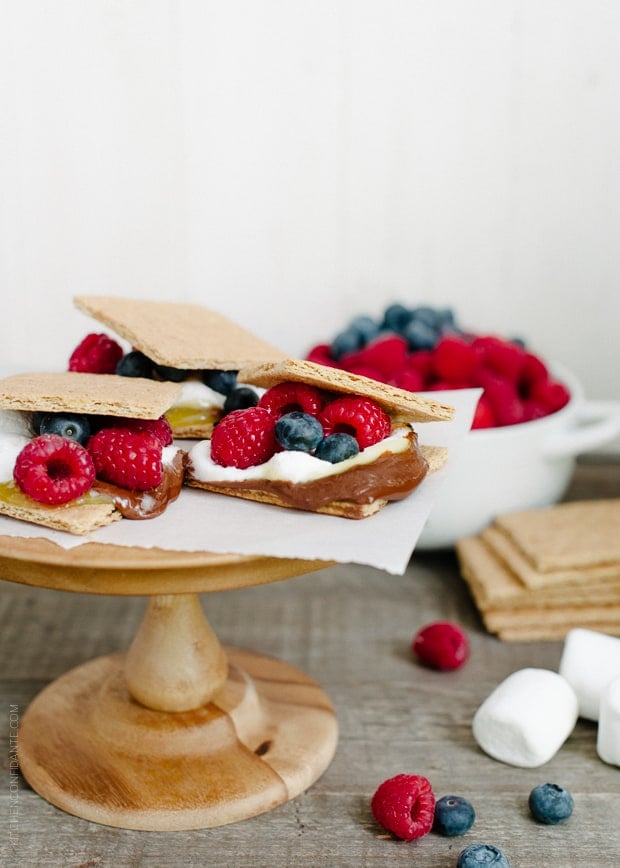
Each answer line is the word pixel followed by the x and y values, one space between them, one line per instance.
pixel 350 629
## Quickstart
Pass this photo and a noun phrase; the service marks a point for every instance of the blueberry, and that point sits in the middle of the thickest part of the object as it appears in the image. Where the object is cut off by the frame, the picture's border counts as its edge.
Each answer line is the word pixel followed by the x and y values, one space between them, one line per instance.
pixel 36 419
pixel 428 315
pixel 482 854
pixel 420 335
pixel 220 381
pixel 396 317
pixel 73 426
pixel 173 375
pixel 550 804
pixel 240 399
pixel 135 364
pixel 345 342
pixel 298 431
pixel 337 447
pixel 364 326
pixel 454 815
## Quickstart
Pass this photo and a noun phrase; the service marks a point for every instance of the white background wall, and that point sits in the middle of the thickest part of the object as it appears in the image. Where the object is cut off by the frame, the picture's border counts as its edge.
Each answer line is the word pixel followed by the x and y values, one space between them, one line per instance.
pixel 294 163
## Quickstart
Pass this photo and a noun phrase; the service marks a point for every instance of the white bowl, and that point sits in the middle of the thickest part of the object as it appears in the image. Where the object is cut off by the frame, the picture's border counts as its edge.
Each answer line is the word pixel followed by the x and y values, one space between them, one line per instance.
pixel 500 470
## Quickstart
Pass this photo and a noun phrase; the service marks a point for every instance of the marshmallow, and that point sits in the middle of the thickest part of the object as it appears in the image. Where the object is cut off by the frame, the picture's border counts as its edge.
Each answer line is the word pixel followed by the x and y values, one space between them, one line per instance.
pixel 590 660
pixel 527 718
pixel 608 735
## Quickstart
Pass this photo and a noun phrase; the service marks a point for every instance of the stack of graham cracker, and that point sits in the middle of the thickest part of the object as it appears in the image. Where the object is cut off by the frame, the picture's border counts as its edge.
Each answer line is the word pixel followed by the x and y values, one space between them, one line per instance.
pixel 539 573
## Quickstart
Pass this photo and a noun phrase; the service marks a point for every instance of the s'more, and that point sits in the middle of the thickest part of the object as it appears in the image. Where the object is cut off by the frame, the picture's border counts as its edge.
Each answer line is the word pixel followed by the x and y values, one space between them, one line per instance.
pixel 321 440
pixel 79 451
pixel 189 344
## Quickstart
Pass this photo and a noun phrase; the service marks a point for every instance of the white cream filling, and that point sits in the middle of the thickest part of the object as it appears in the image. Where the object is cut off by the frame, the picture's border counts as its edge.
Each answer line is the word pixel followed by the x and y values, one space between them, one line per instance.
pixel 289 466
pixel 10 447
pixel 197 395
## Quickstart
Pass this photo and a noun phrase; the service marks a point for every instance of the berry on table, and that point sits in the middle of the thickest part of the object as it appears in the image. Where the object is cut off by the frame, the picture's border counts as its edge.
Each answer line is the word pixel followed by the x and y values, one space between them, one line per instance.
pixel 74 426
pixel 363 418
pixel 454 815
pixel 244 438
pixel 96 354
pixel 482 854
pixel 129 459
pixel 550 804
pixel 441 645
pixel 288 396
pixel 405 806
pixel 336 448
pixel 52 469
pixel 299 432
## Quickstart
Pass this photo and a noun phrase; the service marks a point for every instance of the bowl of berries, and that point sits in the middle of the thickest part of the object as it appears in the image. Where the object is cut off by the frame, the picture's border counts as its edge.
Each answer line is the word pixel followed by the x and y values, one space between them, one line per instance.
pixel 531 422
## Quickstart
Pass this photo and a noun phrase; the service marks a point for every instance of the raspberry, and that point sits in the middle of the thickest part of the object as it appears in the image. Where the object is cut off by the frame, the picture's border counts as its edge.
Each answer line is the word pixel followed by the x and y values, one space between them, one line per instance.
pixel 551 393
pixel 484 416
pixel 53 469
pixel 129 459
pixel 422 361
pixel 160 428
pixel 454 359
pixel 409 379
pixel 361 417
pixel 405 806
pixel 386 355
pixel 533 370
pixel 322 355
pixel 244 438
pixel 505 358
pixel 289 396
pixel 96 354
pixel 441 645
pixel 503 397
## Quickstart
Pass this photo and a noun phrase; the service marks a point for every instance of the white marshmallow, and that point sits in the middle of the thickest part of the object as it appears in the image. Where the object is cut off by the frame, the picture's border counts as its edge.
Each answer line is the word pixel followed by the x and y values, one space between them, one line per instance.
pixel 527 718
pixel 608 735
pixel 590 660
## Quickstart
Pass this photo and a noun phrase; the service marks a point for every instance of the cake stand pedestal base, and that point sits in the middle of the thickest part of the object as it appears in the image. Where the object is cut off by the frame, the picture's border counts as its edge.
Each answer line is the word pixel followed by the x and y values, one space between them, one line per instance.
pixel 177 733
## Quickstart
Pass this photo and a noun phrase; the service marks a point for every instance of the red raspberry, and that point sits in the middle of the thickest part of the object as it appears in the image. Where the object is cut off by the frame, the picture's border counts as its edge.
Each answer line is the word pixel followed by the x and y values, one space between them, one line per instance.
pixel 409 379
pixel 505 358
pixel 405 806
pixel 533 409
pixel 361 417
pixel 484 416
pixel 503 397
pixel 160 428
pixel 289 396
pixel 422 361
pixel 533 370
pixel 322 355
pixel 129 459
pixel 386 355
pixel 454 359
pixel 441 645
pixel 244 438
pixel 96 354
pixel 551 393
pixel 53 469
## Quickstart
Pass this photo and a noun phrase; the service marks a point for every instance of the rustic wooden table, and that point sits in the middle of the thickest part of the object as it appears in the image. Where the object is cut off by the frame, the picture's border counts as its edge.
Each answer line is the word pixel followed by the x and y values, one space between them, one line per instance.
pixel 350 629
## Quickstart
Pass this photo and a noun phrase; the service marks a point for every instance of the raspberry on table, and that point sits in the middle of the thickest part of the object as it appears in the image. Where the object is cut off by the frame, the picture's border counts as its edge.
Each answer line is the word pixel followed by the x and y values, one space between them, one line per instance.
pixel 52 469
pixel 288 396
pixel 129 459
pixel 361 417
pixel 441 645
pixel 244 438
pixel 405 806
pixel 96 354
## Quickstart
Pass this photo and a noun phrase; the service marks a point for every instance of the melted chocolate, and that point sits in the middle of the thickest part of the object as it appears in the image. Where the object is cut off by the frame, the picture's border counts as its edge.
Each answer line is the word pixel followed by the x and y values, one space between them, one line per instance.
pixel 147 504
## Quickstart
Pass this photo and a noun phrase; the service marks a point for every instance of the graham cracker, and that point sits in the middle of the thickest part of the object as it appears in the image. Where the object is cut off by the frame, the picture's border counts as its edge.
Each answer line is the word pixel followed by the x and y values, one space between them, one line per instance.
pixel 186 336
pixel 552 634
pixel 76 518
pixel 557 616
pixel 494 585
pixel 100 394
pixel 436 456
pixel 401 405
pixel 509 554
pixel 567 535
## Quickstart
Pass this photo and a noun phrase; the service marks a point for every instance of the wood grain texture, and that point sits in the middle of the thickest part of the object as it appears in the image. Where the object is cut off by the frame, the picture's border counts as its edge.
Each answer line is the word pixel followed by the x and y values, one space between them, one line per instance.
pixel 349 628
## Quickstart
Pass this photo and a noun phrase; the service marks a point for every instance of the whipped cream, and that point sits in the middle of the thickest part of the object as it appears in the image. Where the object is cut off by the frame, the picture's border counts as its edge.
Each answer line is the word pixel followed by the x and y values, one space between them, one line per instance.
pixel 15 422
pixel 10 447
pixel 290 466
pixel 197 395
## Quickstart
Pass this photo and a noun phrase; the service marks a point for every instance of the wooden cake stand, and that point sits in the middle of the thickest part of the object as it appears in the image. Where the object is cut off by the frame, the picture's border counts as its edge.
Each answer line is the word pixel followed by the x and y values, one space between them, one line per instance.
pixel 176 733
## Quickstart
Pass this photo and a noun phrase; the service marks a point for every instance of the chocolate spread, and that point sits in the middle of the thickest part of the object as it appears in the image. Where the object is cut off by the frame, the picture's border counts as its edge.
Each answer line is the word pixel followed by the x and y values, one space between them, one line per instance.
pixel 151 503
pixel 391 477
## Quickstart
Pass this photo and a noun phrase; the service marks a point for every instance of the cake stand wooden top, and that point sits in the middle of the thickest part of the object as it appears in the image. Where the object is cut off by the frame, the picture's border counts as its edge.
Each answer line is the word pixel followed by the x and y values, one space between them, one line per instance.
pixel 101 568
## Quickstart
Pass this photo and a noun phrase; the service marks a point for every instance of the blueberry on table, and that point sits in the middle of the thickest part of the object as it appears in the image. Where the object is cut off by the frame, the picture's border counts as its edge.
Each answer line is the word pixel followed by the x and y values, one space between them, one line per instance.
pixel 73 426
pixel 337 447
pixel 240 399
pixel 550 804
pixel 482 854
pixel 454 815
pixel 298 431
pixel 135 364
pixel 220 381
